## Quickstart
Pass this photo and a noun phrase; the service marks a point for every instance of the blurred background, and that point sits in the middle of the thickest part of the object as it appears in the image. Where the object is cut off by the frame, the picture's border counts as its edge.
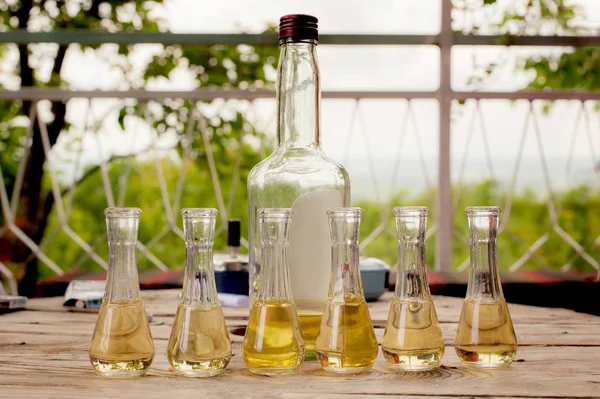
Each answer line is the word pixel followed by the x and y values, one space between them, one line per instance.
pixel 169 104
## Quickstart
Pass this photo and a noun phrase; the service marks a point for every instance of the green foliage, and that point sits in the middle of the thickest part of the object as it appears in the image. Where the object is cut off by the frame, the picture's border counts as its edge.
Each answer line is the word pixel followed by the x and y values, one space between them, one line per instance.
pixel 242 67
pixel 143 191
pixel 579 216
pixel 529 220
pixel 575 69
pixel 31 68
pixel 12 136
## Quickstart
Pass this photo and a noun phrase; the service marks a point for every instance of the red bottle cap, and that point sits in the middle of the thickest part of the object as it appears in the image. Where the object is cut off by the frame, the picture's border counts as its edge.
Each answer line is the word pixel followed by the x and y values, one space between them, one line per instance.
pixel 298 27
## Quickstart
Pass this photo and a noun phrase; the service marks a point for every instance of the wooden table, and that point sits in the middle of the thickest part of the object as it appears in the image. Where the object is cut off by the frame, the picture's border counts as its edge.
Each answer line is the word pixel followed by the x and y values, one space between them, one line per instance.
pixel 44 352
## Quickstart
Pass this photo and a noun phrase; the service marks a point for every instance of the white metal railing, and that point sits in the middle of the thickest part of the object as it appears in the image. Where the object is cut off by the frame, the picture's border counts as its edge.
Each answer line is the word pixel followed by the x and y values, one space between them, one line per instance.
pixel 445 96
pixel 358 131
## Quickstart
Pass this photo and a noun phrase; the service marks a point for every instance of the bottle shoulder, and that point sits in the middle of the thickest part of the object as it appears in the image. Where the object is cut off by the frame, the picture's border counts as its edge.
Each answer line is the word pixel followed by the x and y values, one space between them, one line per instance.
pixel 286 162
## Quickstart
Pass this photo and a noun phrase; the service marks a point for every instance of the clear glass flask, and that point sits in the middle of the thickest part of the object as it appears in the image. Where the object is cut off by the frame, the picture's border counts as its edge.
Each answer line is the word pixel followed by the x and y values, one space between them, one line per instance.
pixel 122 345
pixel 485 337
pixel 299 175
pixel 413 338
pixel 346 341
pixel 273 343
pixel 199 345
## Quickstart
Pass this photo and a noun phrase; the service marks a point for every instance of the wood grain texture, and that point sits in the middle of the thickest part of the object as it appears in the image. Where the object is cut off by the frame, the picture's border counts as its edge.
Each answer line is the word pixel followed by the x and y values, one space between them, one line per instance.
pixel 44 353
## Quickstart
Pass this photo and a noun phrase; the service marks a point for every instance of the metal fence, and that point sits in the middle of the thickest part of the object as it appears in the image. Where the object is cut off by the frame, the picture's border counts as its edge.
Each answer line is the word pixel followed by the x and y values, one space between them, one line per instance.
pixel 445 96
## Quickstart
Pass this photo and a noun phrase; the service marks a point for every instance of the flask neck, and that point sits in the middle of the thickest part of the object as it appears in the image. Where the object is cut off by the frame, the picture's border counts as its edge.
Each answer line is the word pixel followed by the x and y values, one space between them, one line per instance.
pixel 199 286
pixel 275 273
pixel 122 282
pixel 298 95
pixel 411 281
pixel 275 278
pixel 484 277
pixel 345 255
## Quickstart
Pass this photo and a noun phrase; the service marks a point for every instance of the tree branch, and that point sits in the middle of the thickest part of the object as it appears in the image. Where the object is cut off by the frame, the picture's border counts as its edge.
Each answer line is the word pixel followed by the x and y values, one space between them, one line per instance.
pixel 59 108
pixel 26 71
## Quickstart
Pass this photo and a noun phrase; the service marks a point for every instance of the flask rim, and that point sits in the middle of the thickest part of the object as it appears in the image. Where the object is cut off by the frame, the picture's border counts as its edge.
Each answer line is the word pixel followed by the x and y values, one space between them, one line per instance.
pixel 411 211
pixel 344 212
pixel 199 212
pixel 483 210
pixel 270 213
pixel 122 212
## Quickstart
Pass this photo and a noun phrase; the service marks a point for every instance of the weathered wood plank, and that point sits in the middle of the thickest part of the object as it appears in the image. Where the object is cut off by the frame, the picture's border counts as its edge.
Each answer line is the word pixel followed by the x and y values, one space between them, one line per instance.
pixel 543 374
pixel 44 352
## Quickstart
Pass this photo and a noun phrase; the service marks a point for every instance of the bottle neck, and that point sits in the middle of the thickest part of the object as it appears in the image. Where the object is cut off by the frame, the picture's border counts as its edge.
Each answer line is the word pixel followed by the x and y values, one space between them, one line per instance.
pixel 411 282
pixel 122 282
pixel 199 287
pixel 298 95
pixel 484 277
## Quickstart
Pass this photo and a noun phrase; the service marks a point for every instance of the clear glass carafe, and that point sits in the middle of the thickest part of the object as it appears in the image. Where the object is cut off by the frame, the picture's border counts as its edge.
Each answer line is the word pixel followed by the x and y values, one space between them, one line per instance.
pixel 273 343
pixel 485 337
pixel 413 338
pixel 299 175
pixel 199 345
pixel 122 345
pixel 346 341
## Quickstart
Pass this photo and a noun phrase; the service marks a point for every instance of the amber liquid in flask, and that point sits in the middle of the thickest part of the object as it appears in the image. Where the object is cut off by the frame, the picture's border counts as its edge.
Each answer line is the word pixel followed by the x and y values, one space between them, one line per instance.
pixel 199 345
pixel 273 343
pixel 485 337
pixel 413 338
pixel 346 341
pixel 122 344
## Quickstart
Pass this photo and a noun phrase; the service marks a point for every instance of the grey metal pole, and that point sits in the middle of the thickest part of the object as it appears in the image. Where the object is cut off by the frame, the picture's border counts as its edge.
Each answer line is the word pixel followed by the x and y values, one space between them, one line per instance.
pixel 443 250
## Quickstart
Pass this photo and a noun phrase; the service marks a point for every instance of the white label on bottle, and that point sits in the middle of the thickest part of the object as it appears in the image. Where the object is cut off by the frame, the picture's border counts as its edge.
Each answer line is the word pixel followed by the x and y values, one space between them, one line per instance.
pixel 310 248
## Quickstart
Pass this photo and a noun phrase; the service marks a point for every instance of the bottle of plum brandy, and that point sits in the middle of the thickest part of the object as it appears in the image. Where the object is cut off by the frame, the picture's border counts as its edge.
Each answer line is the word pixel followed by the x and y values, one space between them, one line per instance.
pixel 300 176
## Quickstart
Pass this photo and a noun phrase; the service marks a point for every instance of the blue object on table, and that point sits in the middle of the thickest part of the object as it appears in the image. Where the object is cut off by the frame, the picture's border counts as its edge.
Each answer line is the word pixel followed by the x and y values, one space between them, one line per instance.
pixel 374 275
pixel 232 282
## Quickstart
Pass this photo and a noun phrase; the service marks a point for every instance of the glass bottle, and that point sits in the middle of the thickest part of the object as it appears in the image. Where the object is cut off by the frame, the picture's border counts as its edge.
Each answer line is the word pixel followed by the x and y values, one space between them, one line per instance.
pixel 485 336
pixel 346 341
pixel 413 338
pixel 122 345
pixel 199 345
pixel 273 343
pixel 299 175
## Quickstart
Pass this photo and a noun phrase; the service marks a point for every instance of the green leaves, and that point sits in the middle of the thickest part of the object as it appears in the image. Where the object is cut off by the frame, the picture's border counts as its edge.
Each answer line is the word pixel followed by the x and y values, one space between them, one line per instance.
pixel 575 69
pixel 578 69
pixel 579 216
